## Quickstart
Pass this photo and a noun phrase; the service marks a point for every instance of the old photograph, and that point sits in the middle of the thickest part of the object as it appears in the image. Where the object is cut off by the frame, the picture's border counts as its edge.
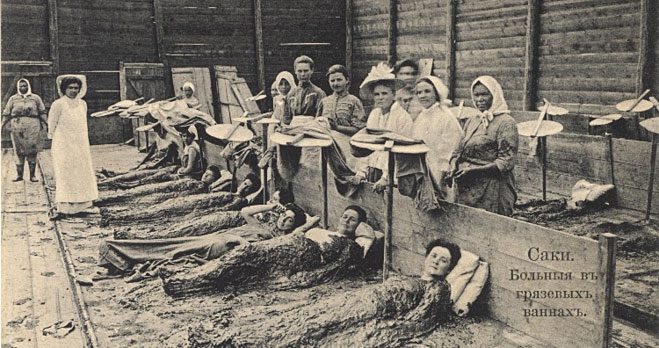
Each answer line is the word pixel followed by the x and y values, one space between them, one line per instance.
pixel 329 173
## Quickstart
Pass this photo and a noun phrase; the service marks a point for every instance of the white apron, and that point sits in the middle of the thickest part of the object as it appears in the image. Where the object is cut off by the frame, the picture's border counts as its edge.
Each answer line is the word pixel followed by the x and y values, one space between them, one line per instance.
pixel 72 160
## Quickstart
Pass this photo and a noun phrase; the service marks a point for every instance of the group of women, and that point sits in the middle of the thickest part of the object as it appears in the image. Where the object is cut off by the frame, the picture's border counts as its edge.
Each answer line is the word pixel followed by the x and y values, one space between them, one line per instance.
pixel 472 164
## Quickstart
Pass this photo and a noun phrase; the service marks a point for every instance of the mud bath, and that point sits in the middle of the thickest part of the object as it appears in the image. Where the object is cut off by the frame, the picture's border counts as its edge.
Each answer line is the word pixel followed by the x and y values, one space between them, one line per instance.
pixel 637 259
pixel 207 223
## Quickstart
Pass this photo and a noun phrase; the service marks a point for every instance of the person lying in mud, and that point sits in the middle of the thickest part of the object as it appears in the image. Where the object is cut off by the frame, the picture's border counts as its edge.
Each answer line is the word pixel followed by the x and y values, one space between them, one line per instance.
pixel 160 192
pixel 175 209
pixel 388 314
pixel 216 221
pixel 290 261
pixel 144 257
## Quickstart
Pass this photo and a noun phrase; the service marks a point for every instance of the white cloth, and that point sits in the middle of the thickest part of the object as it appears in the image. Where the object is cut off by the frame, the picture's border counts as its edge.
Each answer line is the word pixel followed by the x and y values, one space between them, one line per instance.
pixel 285 75
pixel 499 105
pixel 472 290
pixel 397 121
pixel 441 131
pixel 72 161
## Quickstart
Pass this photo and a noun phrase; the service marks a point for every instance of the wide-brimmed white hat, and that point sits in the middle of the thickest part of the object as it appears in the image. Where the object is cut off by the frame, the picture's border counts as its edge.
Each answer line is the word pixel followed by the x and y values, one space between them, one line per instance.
pixel 381 72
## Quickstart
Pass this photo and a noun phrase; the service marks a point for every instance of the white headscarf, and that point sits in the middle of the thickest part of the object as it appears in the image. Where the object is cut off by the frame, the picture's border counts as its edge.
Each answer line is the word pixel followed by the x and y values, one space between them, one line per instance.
pixel 189 85
pixel 499 105
pixel 441 90
pixel 83 88
pixel 29 88
pixel 285 75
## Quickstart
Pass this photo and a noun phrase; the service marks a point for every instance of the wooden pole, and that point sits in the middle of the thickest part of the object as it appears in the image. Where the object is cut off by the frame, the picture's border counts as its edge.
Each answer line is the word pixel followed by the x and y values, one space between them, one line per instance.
pixel 451 46
pixel 386 265
pixel 392 32
pixel 323 176
pixel 349 37
pixel 643 70
pixel 258 32
pixel 531 61
pixel 159 19
pixel 264 171
pixel 653 162
pixel 607 242
pixel 543 148
pixel 53 31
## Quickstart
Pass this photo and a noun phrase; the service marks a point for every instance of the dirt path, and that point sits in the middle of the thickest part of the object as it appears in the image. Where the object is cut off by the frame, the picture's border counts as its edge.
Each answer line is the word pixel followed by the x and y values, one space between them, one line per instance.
pixel 35 289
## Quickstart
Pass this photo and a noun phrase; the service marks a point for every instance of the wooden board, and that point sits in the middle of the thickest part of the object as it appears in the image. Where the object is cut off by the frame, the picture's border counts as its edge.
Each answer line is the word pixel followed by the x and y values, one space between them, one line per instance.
pixel 146 80
pixel 201 79
pixel 503 242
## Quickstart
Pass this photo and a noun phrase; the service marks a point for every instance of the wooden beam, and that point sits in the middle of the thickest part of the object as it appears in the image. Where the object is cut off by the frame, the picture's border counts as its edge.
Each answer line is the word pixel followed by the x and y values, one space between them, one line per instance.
pixel 607 281
pixel 258 32
pixel 159 19
pixel 392 33
pixel 349 37
pixel 53 35
pixel 451 10
pixel 531 61
pixel 644 74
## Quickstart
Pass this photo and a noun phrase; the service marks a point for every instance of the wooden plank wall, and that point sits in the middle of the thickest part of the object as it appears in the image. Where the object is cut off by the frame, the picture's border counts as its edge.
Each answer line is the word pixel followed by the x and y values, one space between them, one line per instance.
pixel 25 30
pixel 292 28
pixel 588 53
pixel 203 33
pixel 505 248
pixel 491 41
pixel 369 43
pixel 421 32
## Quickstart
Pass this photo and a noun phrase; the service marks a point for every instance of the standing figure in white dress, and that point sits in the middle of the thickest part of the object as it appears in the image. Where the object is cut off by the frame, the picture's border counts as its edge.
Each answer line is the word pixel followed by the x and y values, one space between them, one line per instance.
pixel 72 160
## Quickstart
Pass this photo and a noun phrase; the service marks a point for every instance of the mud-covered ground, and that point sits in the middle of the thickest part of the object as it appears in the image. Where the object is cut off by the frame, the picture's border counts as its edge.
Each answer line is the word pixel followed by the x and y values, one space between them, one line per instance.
pixel 637 262
pixel 141 314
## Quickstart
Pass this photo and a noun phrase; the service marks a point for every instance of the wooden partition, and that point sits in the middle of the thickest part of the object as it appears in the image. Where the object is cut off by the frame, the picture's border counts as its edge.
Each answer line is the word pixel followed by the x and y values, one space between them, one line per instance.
pixel 515 251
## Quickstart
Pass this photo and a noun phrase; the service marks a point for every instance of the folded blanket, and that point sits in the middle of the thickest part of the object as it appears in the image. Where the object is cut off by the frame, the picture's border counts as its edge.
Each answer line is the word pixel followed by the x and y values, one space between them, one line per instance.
pixel 289 156
pixel 412 173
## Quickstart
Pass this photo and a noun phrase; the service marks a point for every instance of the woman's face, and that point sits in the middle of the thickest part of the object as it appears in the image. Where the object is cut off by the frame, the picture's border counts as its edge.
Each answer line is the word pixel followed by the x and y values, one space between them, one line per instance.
pixel 244 186
pixel 383 97
pixel 187 138
pixel 338 82
pixel 22 87
pixel 284 87
pixel 188 92
pixel 286 220
pixel 348 223
pixel 437 262
pixel 303 72
pixel 404 98
pixel 425 92
pixel 72 90
pixel 209 176
pixel 482 97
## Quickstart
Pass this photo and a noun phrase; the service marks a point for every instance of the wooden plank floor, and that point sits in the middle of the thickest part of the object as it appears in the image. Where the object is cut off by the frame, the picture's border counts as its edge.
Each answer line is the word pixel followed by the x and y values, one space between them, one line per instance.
pixel 34 279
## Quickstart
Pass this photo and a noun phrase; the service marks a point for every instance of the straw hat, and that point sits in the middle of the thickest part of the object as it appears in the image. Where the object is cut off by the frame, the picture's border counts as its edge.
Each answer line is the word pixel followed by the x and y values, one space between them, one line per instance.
pixel 381 72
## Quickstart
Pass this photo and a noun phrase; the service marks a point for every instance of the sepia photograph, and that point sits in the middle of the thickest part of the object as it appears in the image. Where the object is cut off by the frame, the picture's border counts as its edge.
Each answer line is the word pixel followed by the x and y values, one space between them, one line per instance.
pixel 329 173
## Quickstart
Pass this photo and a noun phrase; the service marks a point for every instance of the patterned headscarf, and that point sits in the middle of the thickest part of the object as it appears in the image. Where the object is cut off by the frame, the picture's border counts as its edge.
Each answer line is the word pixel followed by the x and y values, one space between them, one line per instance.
pixel 499 105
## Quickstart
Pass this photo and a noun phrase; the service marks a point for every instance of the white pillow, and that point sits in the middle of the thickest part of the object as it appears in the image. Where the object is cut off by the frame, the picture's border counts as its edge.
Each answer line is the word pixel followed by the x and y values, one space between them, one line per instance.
pixel 462 273
pixel 471 292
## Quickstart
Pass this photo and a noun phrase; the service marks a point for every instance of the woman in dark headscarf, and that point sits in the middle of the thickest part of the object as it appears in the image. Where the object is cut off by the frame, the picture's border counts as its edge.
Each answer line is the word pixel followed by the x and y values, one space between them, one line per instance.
pixel 72 160
pixel 26 112
pixel 483 163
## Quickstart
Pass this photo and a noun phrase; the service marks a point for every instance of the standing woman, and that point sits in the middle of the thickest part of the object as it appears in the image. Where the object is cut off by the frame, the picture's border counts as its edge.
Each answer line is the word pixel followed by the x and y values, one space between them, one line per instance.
pixel 343 110
pixel 437 127
pixel 26 112
pixel 72 160
pixel 483 164
pixel 380 85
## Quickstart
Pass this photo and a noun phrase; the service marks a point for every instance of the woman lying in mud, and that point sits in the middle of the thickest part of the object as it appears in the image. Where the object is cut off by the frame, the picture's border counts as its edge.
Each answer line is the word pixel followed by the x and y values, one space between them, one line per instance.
pixel 387 314
pixel 144 257
pixel 216 221
pixel 291 261
pixel 172 210
pixel 160 192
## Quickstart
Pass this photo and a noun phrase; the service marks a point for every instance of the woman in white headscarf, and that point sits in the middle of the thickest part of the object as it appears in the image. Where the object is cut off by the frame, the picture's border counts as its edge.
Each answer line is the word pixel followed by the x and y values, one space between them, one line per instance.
pixel 188 96
pixel 26 112
pixel 483 163
pixel 72 160
pixel 437 127
pixel 284 83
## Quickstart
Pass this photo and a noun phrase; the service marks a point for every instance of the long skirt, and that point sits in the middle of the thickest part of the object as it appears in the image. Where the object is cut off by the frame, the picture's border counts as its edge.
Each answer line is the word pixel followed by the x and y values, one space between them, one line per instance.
pixel 27 138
